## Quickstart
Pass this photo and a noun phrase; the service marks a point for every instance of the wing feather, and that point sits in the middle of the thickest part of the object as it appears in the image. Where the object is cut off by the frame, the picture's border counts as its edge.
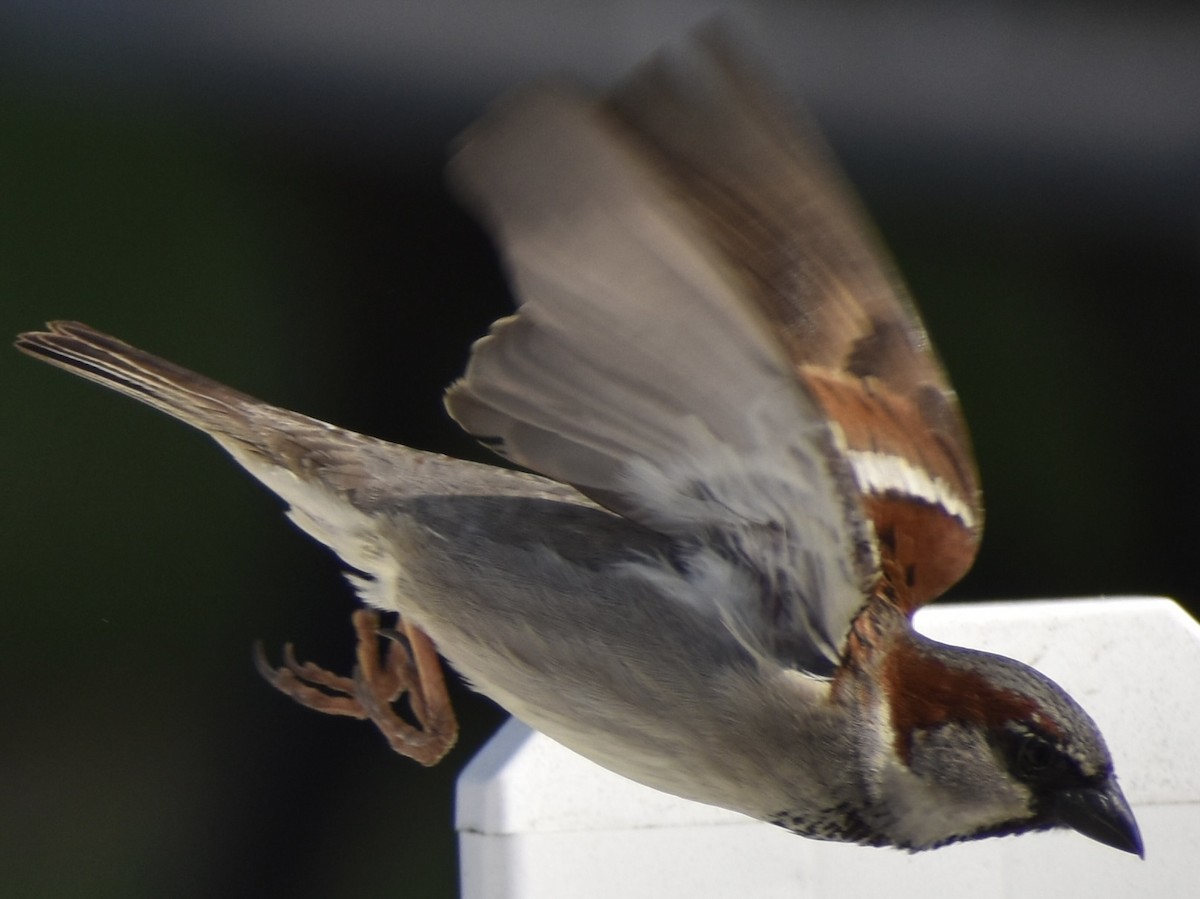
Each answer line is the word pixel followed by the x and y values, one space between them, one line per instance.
pixel 681 259
pixel 635 371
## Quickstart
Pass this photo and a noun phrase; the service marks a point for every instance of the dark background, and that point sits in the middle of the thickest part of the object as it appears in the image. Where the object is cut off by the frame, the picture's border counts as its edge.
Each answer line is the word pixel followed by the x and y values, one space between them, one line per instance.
pixel 255 190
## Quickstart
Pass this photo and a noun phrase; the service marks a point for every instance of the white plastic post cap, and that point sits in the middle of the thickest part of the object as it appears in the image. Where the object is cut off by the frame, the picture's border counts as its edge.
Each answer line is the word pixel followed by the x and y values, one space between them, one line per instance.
pixel 537 821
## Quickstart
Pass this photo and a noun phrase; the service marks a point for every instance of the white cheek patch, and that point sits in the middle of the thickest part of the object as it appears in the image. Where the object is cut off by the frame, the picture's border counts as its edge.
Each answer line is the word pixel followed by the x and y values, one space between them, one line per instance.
pixel 885 473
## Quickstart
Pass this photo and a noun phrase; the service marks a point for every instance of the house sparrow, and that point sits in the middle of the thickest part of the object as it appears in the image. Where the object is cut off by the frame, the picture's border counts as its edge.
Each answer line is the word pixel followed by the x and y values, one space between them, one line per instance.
pixel 750 472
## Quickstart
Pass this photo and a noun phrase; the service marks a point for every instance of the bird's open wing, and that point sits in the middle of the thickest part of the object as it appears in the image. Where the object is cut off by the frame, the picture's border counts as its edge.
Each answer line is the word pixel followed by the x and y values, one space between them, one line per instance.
pixel 707 343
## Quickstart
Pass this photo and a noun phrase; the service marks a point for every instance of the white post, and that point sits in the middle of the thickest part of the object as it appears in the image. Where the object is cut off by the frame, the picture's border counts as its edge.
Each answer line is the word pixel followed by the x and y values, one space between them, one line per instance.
pixel 537 821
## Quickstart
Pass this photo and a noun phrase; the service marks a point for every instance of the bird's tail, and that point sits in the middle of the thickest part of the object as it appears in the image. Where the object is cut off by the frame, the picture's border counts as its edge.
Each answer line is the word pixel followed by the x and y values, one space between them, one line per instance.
pixel 329 476
pixel 201 402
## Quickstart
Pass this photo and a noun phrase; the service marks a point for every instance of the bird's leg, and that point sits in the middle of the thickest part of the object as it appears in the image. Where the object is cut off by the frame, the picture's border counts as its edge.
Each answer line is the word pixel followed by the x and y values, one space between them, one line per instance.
pixel 412 667
pixel 409 667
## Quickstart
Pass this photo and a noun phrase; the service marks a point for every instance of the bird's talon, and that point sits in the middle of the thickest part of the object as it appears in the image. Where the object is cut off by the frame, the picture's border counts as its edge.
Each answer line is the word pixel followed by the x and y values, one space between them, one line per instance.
pixel 410 666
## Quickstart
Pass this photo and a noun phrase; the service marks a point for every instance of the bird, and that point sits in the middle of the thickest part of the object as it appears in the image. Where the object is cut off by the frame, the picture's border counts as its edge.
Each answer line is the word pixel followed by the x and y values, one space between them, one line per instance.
pixel 737 471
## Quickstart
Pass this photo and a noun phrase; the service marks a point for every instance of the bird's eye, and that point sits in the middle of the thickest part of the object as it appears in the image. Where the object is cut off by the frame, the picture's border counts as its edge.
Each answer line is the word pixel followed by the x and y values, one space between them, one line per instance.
pixel 1034 756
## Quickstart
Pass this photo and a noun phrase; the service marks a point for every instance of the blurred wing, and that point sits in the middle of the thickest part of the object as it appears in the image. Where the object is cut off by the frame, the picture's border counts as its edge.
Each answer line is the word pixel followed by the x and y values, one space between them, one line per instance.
pixel 688 338
pixel 772 202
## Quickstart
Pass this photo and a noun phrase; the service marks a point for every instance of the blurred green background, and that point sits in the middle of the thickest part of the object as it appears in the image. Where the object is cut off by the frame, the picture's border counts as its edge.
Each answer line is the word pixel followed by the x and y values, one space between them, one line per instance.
pixel 255 191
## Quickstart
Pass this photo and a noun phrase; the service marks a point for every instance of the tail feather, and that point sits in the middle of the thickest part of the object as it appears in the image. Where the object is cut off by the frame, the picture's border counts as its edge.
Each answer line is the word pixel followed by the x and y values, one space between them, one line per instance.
pixel 328 476
pixel 199 401
pixel 283 449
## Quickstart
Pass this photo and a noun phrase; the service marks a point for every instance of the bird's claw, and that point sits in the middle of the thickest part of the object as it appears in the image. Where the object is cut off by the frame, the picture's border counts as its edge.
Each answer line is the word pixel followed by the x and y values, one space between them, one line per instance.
pixel 408 667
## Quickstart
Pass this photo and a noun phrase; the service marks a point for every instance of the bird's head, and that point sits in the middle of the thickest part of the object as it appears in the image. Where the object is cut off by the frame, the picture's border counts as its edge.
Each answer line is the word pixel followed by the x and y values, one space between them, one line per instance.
pixel 979 745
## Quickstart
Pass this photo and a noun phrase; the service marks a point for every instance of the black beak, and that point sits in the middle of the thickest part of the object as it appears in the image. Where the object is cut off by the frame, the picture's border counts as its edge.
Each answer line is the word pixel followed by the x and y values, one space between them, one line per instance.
pixel 1102 814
